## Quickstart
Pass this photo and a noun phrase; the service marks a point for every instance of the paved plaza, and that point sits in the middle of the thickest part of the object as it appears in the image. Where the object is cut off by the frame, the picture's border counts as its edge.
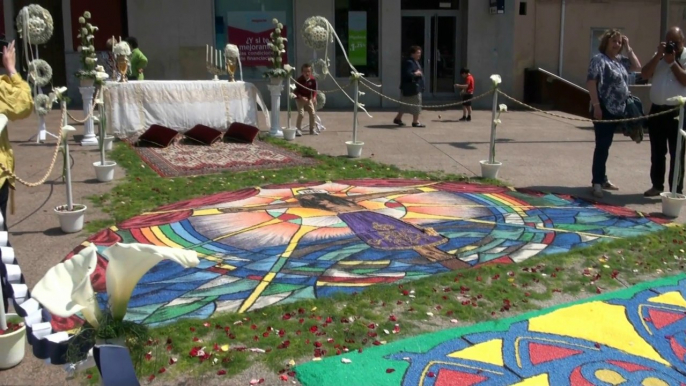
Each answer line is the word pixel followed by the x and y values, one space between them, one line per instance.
pixel 538 152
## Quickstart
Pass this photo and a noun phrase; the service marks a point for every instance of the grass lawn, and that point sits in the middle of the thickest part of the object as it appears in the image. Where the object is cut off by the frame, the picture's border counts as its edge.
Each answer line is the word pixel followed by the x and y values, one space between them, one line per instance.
pixel 280 336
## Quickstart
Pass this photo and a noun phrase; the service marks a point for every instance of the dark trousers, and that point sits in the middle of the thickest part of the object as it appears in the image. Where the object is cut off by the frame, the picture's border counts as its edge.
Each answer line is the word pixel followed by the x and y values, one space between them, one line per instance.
pixel 663 131
pixel 4 198
pixel 604 133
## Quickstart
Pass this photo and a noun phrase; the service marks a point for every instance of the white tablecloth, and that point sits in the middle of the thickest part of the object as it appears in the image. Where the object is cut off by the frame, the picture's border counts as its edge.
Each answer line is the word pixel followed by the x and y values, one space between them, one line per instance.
pixel 132 107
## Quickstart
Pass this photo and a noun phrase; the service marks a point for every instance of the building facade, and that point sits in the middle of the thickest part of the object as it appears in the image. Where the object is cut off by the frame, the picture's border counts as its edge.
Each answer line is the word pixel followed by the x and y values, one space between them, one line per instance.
pixel 557 35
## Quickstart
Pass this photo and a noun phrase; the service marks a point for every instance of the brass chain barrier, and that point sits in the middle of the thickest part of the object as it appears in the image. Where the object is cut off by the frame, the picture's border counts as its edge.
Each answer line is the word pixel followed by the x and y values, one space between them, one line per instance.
pixel 676 108
pixel 427 106
pixel 321 91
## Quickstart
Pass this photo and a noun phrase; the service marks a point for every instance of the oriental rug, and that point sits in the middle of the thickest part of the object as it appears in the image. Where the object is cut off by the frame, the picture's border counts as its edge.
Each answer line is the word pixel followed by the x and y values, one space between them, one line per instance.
pixel 187 158
pixel 278 244
pixel 632 337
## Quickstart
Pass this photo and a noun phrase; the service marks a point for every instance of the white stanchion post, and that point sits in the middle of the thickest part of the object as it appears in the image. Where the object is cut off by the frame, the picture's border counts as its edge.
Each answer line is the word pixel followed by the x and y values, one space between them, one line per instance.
pixel 356 86
pixel 288 101
pixel 3 316
pixel 491 149
pixel 679 149
pixel 89 138
pixel 67 168
pixel 275 92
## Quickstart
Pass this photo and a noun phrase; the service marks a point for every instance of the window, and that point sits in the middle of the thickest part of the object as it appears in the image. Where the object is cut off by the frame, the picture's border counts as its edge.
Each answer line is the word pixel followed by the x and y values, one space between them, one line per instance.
pixel 357 24
pixel 429 4
pixel 247 24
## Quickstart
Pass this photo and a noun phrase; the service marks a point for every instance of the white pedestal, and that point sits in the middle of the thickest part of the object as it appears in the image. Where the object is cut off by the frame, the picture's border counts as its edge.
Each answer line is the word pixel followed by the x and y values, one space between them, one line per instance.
pixel 275 91
pixel 41 129
pixel 88 126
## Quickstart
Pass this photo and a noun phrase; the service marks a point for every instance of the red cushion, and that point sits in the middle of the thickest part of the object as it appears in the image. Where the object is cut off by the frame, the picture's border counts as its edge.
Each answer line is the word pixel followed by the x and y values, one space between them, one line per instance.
pixel 240 132
pixel 158 135
pixel 203 134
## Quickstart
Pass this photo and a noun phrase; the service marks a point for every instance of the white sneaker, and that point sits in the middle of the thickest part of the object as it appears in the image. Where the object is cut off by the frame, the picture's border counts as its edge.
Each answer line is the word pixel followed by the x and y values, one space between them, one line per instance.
pixel 597 190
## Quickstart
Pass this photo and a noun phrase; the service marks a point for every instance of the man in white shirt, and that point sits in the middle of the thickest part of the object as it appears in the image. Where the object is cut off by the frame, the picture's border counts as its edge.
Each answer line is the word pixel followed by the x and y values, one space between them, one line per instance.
pixel 668 74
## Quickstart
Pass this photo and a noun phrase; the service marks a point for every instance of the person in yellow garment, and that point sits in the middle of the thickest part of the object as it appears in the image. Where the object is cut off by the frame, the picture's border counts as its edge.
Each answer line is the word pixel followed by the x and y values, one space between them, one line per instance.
pixel 16 103
pixel 138 61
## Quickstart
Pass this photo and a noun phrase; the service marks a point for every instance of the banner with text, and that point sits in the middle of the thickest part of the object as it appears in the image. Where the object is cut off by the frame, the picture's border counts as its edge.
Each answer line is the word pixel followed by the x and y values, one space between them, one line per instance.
pixel 250 32
pixel 357 37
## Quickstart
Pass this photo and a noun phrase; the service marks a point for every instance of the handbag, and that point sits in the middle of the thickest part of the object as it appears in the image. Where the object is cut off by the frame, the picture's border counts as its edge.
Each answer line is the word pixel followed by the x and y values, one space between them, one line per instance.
pixel 635 128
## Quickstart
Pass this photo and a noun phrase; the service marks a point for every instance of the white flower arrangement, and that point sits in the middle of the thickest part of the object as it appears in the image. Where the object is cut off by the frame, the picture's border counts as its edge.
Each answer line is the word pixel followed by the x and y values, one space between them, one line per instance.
pixel 122 48
pixel 278 45
pixel 231 51
pixel 40 24
pixel 86 49
pixel 496 79
pixel 43 104
pixel 40 72
pixel 316 33
pixel 321 100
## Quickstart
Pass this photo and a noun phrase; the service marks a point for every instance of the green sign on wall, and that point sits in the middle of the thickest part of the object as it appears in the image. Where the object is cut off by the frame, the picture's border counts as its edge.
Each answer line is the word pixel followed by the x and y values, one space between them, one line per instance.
pixel 357 37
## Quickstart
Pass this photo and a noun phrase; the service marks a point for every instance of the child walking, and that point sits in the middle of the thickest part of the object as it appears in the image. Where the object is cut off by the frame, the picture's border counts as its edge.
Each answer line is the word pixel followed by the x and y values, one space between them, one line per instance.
pixel 306 98
pixel 467 94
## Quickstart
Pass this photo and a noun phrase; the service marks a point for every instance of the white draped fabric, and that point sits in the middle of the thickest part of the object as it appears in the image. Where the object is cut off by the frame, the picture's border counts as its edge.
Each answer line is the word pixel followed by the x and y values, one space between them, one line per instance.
pixel 134 106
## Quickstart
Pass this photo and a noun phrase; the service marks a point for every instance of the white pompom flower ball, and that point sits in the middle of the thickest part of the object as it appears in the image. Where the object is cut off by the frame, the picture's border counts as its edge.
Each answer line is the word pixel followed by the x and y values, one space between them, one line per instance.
pixel 39 24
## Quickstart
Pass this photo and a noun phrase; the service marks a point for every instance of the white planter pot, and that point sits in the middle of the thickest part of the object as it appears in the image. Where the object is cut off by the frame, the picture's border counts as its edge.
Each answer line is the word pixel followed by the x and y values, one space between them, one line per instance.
pixel 104 173
pixel 87 82
pixel 109 140
pixel 354 149
pixel 71 222
pixel 671 206
pixel 489 170
pixel 275 81
pixel 289 134
pixel 12 347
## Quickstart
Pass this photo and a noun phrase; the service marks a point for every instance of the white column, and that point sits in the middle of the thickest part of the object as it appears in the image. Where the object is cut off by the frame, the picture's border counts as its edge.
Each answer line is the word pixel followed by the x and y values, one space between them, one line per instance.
pixel 88 127
pixel 275 91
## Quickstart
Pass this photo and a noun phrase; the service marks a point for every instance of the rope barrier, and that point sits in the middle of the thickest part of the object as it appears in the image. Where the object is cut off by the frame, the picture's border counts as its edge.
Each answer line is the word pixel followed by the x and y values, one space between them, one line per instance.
pixel 427 106
pixel 65 113
pixel 52 163
pixel 321 91
pixel 676 108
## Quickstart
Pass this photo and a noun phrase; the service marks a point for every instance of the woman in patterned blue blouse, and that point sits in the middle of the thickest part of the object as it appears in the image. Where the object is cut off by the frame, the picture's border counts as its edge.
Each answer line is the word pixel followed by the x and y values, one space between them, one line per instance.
pixel 608 86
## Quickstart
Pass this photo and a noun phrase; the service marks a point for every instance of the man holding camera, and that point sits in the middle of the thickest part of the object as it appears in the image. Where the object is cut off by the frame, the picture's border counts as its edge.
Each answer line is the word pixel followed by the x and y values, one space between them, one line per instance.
pixel 668 77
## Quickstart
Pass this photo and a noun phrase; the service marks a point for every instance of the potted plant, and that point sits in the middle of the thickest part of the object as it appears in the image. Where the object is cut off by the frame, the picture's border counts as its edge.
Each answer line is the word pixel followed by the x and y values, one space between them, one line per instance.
pixel 289 131
pixel 104 170
pixel 70 215
pixel 355 146
pixel 277 43
pixel 12 338
pixel 12 328
pixel 490 167
pixel 66 289
pixel 87 73
pixel 102 76
pixel 673 201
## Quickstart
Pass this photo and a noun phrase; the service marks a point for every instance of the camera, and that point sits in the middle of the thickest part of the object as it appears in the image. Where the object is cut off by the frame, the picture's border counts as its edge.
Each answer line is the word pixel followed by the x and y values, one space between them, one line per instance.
pixel 670 48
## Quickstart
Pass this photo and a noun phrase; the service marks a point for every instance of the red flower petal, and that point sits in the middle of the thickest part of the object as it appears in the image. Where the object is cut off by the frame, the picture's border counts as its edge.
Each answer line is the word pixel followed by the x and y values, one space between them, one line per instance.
pixel 151 378
pixel 221 372
pixel 162 370
pixel 388 371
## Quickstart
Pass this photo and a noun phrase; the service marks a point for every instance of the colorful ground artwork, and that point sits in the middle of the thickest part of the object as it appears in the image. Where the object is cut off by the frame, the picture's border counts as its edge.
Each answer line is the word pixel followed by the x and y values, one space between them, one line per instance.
pixel 633 337
pixel 279 244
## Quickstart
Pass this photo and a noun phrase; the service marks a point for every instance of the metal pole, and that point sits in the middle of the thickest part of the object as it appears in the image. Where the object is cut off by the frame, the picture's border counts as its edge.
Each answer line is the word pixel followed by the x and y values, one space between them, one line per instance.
pixel 562 38
pixel 357 93
pixel 491 149
pixel 67 171
pixel 679 149
pixel 664 17
pixel 3 317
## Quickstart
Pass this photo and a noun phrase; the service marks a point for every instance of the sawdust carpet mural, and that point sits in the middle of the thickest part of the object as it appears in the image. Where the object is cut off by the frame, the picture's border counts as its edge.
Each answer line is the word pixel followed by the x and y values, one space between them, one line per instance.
pixel 633 337
pixel 279 244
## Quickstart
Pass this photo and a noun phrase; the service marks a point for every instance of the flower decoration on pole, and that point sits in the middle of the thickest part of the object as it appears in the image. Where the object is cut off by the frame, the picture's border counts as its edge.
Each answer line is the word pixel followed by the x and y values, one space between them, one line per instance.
pixel 277 43
pixel 66 289
pixel 40 72
pixel 37 22
pixel 87 50
pixel 43 104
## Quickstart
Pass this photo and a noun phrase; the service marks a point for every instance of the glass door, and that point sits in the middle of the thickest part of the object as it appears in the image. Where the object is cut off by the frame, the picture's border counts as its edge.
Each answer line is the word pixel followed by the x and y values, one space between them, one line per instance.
pixel 436 33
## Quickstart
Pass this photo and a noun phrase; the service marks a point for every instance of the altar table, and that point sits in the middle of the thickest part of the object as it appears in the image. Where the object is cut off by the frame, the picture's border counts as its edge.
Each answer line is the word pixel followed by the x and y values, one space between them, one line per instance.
pixel 180 105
